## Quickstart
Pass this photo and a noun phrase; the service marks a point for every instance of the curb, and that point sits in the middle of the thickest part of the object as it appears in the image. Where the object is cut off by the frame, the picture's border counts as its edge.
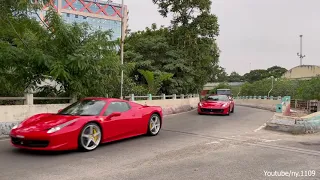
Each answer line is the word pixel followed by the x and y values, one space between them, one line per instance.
pixel 293 125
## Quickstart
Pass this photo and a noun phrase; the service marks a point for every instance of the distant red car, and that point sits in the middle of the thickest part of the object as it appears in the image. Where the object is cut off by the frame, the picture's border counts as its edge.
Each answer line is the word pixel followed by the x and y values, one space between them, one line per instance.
pixel 216 104
pixel 87 123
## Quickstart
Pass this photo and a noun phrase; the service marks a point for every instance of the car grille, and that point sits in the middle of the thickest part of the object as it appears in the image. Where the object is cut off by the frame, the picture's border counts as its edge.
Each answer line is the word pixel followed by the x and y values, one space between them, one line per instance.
pixel 29 143
pixel 212 110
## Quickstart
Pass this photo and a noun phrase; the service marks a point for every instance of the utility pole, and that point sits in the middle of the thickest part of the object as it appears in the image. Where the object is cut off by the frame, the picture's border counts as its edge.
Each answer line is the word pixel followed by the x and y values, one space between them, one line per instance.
pixel 121 48
pixel 272 78
pixel 300 55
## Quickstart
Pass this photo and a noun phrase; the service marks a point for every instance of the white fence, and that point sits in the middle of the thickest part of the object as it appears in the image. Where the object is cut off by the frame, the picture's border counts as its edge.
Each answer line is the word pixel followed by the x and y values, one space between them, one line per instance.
pixel 29 99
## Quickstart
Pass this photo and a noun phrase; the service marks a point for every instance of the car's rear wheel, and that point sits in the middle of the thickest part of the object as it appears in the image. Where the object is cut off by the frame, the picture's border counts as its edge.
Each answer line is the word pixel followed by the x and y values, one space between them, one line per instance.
pixel 232 111
pixel 154 125
pixel 90 137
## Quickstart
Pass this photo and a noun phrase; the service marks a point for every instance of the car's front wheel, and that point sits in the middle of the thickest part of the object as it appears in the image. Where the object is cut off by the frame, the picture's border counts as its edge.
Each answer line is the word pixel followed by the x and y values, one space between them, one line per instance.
pixel 90 137
pixel 228 113
pixel 154 125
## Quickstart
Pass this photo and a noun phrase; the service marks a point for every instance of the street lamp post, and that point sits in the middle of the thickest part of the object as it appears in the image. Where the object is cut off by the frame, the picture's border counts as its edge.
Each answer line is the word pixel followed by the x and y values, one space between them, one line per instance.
pixel 271 86
pixel 121 48
pixel 300 55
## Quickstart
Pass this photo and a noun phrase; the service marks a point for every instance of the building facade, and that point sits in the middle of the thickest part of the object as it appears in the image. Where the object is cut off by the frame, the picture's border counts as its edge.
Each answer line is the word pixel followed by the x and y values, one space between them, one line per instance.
pixel 100 15
pixel 303 72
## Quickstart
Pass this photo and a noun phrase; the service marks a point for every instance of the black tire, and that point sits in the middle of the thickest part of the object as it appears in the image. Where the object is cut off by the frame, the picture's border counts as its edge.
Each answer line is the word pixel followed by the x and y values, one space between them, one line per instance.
pixel 151 120
pixel 232 110
pixel 81 147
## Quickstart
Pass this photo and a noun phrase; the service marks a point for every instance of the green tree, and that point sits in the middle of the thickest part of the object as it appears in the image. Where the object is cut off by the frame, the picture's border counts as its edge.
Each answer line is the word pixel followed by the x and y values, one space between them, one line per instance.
pixel 82 61
pixel 192 33
pixel 308 89
pixel 276 71
pixel 219 74
pixel 154 80
pixel 235 77
pixel 256 75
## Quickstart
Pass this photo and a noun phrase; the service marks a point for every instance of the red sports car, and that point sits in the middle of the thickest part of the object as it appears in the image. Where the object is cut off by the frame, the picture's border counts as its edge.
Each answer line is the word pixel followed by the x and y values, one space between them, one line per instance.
pixel 216 104
pixel 87 123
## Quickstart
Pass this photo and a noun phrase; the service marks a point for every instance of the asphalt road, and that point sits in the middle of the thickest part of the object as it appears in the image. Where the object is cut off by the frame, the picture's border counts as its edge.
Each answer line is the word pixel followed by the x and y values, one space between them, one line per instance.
pixel 189 146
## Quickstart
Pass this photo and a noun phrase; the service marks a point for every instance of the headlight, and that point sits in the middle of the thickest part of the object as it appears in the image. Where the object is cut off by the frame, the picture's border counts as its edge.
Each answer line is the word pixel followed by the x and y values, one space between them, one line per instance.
pixel 57 128
pixel 200 104
pixel 16 126
pixel 226 104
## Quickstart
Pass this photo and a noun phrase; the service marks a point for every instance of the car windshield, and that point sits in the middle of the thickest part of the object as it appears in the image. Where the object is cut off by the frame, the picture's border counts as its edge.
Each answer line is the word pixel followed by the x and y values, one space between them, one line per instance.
pixel 84 108
pixel 217 98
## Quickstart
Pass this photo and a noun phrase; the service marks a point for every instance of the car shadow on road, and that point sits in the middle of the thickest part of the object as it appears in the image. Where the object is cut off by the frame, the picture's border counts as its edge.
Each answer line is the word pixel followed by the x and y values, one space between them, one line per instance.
pixel 222 115
pixel 41 153
pixel 101 147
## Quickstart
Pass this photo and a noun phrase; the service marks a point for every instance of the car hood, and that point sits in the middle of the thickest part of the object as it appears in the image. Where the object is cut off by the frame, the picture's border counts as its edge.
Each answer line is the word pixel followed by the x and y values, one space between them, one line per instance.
pixel 43 122
pixel 213 103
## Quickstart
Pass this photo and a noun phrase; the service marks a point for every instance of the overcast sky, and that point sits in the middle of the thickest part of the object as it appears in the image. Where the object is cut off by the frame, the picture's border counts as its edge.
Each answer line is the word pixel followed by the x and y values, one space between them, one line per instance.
pixel 261 32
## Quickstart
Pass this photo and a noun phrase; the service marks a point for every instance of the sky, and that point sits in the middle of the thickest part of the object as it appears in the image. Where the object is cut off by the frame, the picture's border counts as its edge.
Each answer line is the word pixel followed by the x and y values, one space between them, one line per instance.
pixel 254 34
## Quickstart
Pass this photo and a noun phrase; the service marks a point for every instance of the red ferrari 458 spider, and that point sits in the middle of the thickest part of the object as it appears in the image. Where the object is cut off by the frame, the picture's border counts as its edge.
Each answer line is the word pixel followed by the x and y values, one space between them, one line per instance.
pixel 216 104
pixel 87 123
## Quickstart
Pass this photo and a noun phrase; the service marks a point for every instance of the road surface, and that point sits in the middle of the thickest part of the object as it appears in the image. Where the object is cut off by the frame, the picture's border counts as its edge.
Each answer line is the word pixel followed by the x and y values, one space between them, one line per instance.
pixel 190 146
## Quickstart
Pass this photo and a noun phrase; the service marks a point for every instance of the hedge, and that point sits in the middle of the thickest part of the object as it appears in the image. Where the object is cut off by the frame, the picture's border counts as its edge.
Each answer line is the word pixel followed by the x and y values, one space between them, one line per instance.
pixel 297 89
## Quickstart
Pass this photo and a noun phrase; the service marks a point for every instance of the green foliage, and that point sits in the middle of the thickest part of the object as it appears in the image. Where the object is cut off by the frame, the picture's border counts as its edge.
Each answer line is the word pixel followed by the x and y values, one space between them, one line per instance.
pixel 276 71
pixel 309 89
pixel 187 49
pixel 260 74
pixel 82 61
pixel 235 77
pixel 297 89
pixel 155 80
pixel 177 59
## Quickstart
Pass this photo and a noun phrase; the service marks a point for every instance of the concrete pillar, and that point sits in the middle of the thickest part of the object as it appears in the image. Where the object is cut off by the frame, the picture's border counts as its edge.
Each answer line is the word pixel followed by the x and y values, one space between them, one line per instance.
pixel 174 96
pixel 29 99
pixel 132 97
pixel 163 96
pixel 318 106
pixel 150 97
pixel 73 99
pixel 182 96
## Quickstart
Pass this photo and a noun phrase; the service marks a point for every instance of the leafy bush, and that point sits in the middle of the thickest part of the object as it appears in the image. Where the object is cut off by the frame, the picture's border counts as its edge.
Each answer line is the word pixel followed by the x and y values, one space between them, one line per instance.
pixel 298 89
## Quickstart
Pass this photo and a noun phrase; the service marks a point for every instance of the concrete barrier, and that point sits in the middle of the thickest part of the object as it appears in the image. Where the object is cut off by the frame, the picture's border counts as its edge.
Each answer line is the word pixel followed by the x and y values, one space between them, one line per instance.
pixel 282 121
pixel 295 125
pixel 13 114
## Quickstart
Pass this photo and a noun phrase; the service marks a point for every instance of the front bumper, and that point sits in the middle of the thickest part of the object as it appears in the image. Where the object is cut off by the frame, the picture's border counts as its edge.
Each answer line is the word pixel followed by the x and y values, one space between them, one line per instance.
pixel 44 142
pixel 206 110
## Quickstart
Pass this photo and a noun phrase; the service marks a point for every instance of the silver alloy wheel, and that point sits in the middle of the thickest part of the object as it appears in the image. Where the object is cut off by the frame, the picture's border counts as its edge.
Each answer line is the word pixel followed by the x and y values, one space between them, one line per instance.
pixel 91 137
pixel 155 124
